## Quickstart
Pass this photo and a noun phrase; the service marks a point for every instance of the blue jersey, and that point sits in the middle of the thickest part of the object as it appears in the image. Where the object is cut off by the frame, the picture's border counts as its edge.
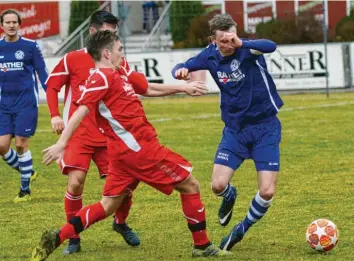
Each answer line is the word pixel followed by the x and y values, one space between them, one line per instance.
pixel 19 63
pixel 248 93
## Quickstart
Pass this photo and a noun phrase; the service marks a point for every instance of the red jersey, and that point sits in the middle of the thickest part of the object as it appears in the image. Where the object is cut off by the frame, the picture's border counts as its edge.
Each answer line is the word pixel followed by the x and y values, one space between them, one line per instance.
pixel 72 71
pixel 120 114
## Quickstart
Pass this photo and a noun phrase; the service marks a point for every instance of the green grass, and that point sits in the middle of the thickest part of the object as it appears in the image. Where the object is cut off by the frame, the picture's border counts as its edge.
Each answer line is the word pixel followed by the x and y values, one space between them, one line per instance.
pixel 316 181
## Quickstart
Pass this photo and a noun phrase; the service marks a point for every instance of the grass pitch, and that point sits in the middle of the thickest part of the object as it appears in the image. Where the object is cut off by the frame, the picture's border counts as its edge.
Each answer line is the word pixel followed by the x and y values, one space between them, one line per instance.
pixel 316 181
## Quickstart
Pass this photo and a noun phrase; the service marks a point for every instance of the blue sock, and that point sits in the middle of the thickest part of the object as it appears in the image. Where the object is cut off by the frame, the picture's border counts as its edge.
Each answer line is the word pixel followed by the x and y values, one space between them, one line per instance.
pixel 257 210
pixel 228 194
pixel 11 158
pixel 26 169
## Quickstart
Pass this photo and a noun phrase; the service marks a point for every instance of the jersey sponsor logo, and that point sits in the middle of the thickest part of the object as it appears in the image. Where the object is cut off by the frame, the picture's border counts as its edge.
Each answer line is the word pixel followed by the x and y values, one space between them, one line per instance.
pixel 128 88
pixel 2 57
pixel 11 66
pixel 235 76
pixel 19 55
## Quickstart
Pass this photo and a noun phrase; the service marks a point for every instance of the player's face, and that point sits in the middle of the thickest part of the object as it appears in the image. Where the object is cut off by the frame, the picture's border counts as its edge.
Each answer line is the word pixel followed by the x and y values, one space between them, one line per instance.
pixel 116 54
pixel 224 46
pixel 10 25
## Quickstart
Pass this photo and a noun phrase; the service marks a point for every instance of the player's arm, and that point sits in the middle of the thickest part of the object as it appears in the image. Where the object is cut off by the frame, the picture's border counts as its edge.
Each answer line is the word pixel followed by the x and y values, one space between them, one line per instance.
pixel 259 46
pixel 94 91
pixel 56 80
pixel 199 62
pixel 143 87
pixel 54 152
pixel 39 66
pixel 195 88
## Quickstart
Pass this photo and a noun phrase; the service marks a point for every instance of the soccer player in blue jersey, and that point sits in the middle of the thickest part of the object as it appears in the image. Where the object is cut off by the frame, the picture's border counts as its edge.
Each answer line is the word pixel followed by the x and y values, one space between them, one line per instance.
pixel 249 105
pixel 20 59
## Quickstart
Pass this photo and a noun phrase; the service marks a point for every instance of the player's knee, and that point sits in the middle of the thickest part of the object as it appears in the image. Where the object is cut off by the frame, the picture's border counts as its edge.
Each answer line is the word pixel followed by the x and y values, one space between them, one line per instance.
pixel 75 186
pixel 267 193
pixel 218 186
pixel 189 186
pixel 4 148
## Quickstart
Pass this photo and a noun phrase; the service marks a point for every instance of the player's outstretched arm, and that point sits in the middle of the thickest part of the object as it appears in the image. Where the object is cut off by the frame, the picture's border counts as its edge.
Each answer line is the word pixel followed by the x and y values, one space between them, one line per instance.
pixel 54 153
pixel 182 71
pixel 195 88
pixel 259 46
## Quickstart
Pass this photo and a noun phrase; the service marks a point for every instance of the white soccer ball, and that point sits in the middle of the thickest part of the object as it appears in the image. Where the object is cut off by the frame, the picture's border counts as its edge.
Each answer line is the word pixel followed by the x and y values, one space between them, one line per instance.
pixel 322 235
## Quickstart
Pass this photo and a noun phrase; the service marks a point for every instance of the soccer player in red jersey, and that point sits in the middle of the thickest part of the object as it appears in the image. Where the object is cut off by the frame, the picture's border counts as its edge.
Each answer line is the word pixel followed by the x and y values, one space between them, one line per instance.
pixel 135 153
pixel 88 143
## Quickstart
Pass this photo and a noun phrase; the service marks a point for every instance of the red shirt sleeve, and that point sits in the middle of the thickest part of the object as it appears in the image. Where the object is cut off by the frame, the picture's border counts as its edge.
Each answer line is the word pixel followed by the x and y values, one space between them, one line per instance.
pixel 56 80
pixel 139 82
pixel 95 89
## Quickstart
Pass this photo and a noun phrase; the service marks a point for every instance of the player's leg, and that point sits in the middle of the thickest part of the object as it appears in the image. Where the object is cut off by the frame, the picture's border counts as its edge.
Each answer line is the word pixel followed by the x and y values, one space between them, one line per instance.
pixel 75 164
pixel 114 191
pixel 229 156
pixel 25 125
pixel 165 170
pixel 100 157
pixel 8 154
pixel 87 216
pixel 267 158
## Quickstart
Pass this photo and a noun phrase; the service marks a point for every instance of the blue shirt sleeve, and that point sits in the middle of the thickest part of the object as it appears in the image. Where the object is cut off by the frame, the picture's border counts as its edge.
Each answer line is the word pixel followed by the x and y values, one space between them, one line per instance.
pixel 261 45
pixel 39 66
pixel 196 63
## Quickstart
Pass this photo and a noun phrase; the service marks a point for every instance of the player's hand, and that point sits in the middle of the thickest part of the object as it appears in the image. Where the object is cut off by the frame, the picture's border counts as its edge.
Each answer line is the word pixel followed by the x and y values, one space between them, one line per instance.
pixel 57 125
pixel 232 39
pixel 195 88
pixel 53 153
pixel 182 74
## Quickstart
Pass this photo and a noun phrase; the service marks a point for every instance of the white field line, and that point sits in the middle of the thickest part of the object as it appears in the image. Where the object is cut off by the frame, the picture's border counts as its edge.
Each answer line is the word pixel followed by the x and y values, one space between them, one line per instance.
pixel 206 116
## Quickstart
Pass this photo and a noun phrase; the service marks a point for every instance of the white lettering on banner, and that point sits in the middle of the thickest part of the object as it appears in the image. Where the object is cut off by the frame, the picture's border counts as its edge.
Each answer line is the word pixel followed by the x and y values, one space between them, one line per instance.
pixel 40 28
pixel 258 7
pixel 26 13
pixel 293 67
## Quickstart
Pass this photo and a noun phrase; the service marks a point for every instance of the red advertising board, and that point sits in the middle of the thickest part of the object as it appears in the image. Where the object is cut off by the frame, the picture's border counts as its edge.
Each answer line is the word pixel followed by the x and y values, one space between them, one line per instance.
pixel 257 12
pixel 39 19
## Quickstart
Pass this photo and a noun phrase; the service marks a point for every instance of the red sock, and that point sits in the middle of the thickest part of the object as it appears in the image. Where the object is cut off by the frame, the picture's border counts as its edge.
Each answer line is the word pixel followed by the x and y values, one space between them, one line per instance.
pixel 121 214
pixel 73 204
pixel 194 212
pixel 82 220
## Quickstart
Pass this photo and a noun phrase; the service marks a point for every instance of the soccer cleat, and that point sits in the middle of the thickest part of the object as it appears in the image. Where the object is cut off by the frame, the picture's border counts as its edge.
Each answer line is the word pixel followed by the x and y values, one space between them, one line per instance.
pixel 73 247
pixel 210 251
pixel 49 242
pixel 227 204
pixel 23 196
pixel 130 237
pixel 34 176
pixel 233 238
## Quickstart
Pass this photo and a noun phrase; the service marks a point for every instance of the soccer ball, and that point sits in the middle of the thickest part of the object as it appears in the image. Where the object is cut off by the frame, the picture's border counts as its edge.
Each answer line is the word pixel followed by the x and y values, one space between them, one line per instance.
pixel 322 235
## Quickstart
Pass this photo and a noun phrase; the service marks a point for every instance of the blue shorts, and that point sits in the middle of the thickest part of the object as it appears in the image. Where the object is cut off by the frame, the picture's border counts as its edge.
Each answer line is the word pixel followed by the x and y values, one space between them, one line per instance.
pixel 259 142
pixel 23 124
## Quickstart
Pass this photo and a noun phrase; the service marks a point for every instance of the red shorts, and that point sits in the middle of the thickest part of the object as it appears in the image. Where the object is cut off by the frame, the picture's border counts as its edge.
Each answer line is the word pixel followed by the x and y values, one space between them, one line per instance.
pixel 154 165
pixel 78 156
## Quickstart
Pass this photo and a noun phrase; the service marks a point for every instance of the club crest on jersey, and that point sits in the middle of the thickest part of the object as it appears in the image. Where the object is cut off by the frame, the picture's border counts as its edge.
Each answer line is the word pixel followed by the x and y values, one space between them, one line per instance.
pixel 234 65
pixel 19 55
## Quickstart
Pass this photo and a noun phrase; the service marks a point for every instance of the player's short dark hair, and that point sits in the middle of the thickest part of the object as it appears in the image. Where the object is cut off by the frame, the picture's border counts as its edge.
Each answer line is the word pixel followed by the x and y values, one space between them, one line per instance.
pixel 98 41
pixel 222 22
pixel 98 18
pixel 10 11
